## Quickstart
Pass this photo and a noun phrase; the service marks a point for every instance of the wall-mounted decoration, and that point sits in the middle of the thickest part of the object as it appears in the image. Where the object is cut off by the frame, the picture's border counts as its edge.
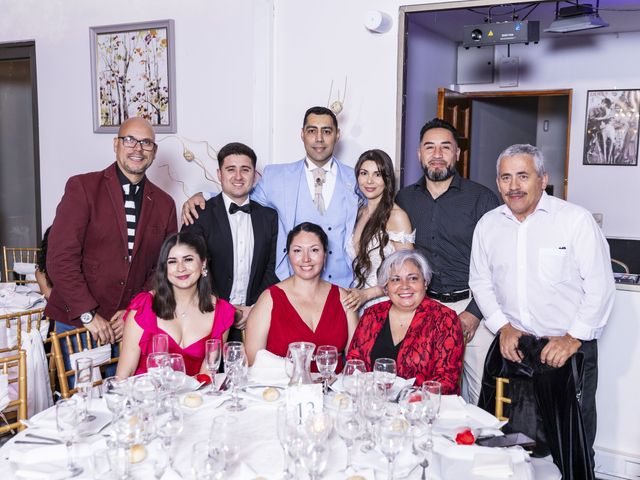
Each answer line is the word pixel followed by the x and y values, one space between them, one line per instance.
pixel 133 75
pixel 611 136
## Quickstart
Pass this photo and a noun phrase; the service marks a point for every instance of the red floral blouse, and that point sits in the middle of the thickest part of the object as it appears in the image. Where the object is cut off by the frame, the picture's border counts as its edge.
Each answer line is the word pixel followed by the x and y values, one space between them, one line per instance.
pixel 432 348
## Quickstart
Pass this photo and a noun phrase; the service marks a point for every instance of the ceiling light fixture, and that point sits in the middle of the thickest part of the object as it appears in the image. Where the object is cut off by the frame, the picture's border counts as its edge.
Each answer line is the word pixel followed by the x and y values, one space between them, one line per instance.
pixel 576 18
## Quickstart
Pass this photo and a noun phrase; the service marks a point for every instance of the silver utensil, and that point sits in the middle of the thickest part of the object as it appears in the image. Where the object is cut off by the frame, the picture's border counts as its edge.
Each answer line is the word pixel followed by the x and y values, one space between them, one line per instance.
pixel 41 437
pixel 29 442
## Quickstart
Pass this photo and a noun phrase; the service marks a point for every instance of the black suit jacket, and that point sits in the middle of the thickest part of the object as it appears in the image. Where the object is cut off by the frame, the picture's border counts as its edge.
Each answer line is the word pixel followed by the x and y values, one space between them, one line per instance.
pixel 213 225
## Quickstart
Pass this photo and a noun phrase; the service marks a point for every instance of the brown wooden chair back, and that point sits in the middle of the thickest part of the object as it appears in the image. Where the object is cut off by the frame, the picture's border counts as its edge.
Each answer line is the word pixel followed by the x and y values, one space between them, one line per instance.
pixel 13 255
pixel 15 366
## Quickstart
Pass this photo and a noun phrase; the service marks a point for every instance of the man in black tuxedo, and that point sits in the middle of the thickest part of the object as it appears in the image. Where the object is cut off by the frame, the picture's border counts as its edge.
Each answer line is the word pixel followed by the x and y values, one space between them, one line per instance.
pixel 240 234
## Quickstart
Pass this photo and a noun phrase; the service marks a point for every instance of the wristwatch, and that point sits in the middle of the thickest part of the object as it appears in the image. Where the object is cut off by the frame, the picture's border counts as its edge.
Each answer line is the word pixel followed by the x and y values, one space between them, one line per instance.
pixel 87 317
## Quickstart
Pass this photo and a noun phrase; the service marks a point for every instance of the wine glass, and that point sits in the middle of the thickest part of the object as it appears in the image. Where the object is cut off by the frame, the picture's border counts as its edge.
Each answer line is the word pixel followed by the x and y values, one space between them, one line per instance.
pixel 160 343
pixel 315 456
pixel 128 429
pixel 349 426
pixel 157 362
pixel 84 384
pixel 350 375
pixel 67 420
pixel 391 434
pixel 384 372
pixel 413 402
pixel 374 406
pixel 169 423
pixel 114 391
pixel 145 395
pixel 432 391
pixel 224 440
pixel 206 464
pixel 174 374
pixel 212 355
pixel 326 361
pixel 235 364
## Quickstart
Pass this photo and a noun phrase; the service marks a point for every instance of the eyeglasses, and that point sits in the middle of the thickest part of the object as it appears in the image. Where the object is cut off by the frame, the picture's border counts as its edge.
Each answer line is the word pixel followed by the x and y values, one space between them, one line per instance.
pixel 131 142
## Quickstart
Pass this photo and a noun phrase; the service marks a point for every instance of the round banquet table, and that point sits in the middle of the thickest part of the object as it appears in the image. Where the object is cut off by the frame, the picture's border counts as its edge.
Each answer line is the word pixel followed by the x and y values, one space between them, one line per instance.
pixel 260 455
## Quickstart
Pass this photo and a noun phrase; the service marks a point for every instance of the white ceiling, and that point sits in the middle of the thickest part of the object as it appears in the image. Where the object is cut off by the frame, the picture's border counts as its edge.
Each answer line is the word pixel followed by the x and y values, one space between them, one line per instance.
pixel 621 15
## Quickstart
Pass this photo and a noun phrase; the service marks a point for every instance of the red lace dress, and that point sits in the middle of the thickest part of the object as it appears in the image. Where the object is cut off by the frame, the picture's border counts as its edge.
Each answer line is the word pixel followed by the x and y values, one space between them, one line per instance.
pixel 193 354
pixel 287 326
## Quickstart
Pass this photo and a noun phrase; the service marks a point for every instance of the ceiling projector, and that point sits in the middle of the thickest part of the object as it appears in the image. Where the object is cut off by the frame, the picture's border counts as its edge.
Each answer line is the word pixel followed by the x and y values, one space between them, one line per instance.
pixel 502 33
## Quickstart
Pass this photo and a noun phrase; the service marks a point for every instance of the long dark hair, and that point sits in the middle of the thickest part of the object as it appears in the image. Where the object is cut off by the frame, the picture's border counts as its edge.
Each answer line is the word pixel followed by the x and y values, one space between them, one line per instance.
pixel 164 302
pixel 376 227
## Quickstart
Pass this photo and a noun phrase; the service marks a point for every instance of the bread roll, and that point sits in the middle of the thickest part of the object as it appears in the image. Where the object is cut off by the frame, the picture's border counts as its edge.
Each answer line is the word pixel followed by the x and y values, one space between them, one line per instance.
pixel 137 453
pixel 192 400
pixel 270 394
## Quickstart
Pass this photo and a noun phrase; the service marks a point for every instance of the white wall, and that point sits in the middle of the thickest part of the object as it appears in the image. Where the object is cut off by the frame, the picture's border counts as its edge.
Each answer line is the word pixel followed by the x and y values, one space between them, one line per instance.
pixel 599 62
pixel 222 72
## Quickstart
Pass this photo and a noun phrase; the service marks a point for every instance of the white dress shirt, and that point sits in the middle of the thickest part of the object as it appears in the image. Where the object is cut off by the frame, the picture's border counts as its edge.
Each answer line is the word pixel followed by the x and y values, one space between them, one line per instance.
pixel 329 184
pixel 548 275
pixel 242 237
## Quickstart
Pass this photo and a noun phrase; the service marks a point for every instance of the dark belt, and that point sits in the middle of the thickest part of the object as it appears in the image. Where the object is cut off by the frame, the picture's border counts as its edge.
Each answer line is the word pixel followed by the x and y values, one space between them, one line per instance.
pixel 449 297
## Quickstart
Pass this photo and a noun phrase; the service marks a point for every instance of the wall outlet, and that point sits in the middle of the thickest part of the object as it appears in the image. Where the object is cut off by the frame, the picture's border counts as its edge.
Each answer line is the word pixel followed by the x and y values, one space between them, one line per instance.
pixel 598 217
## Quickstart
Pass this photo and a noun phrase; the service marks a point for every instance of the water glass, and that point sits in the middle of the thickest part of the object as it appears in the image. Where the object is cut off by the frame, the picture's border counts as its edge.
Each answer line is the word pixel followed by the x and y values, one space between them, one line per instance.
pixel 326 361
pixel 160 343
pixel 413 403
pixel 175 373
pixel 84 384
pixel 168 424
pixel 374 406
pixel 384 372
pixel 115 391
pixel 315 457
pixel 157 363
pixel 391 435
pixel 212 356
pixel 67 420
pixel 350 375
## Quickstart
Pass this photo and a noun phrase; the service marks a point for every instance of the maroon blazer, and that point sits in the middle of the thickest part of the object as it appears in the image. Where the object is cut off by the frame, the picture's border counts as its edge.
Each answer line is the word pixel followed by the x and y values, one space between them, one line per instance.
pixel 432 348
pixel 88 257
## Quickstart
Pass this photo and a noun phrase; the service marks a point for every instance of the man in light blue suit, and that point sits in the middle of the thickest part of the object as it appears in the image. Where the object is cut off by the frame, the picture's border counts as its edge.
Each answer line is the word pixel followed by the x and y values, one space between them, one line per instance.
pixel 318 188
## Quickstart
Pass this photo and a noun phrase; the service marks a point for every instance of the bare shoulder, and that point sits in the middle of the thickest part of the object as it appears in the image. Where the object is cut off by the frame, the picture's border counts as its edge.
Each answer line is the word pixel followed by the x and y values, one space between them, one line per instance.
pixel 398 220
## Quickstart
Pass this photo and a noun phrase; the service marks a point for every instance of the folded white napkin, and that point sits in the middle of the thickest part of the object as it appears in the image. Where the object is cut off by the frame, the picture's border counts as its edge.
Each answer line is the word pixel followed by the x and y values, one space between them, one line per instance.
pixel 268 369
pixel 4 390
pixel 41 472
pixel 452 407
pixel 26 455
pixel 398 385
pixel 100 356
pixel 24 268
pixel 496 464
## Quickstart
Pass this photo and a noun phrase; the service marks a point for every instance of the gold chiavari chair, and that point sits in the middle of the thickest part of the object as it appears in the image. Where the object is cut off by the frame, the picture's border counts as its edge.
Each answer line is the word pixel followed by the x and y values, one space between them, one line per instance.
pixel 501 398
pixel 15 367
pixel 13 255
pixel 25 321
pixel 75 341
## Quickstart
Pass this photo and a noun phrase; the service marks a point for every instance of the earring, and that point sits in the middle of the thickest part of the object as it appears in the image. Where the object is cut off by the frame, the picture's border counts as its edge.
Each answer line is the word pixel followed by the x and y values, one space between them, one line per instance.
pixel 204 272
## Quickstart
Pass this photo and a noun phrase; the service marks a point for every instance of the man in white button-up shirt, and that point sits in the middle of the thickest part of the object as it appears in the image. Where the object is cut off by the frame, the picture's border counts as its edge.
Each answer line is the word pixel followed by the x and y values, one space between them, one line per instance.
pixel 540 266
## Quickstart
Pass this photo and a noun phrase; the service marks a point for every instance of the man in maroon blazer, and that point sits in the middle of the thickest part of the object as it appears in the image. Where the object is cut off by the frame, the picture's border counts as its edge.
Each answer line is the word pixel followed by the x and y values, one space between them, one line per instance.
pixel 106 236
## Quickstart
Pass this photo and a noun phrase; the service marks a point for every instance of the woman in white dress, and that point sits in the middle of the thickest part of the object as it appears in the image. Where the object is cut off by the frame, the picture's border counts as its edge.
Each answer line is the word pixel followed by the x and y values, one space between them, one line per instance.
pixel 382 227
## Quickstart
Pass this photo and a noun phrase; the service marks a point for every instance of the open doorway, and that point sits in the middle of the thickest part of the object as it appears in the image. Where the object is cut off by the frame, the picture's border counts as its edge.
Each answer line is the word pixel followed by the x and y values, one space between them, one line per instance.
pixel 19 151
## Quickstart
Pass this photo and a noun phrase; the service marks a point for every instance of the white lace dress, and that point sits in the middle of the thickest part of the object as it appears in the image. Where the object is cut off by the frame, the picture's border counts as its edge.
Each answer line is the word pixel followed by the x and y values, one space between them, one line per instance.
pixel 376 260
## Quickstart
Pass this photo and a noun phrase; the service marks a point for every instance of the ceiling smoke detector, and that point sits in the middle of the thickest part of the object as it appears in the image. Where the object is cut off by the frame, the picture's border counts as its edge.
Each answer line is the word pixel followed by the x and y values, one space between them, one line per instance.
pixel 576 18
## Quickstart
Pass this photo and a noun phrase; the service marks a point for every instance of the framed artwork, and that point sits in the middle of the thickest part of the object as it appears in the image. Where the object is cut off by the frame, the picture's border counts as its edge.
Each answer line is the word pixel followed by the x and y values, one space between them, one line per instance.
pixel 611 134
pixel 133 75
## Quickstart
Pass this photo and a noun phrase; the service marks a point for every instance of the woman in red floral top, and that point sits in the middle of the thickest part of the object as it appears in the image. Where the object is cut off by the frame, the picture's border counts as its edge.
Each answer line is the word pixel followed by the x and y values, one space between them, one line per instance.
pixel 422 335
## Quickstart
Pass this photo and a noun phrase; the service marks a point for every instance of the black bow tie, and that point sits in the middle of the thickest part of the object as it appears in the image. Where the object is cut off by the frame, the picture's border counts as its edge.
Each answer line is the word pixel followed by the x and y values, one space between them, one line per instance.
pixel 233 208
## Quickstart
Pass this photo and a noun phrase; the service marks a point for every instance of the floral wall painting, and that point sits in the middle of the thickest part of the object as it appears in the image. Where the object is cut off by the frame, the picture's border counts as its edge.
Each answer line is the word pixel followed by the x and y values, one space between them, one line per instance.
pixel 611 136
pixel 133 75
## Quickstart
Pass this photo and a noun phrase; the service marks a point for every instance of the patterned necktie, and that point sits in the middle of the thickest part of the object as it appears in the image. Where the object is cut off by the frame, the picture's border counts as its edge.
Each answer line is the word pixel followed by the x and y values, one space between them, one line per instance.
pixel 130 191
pixel 319 177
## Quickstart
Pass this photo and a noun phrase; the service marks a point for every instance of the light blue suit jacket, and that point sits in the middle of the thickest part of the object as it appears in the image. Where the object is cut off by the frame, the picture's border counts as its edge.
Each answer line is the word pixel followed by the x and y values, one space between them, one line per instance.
pixel 279 189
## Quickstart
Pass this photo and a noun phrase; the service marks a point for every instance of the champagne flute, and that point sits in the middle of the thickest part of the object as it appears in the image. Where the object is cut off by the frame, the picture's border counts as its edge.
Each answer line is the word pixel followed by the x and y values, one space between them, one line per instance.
pixel 160 343
pixel 374 406
pixel 432 390
pixel 349 426
pixel 67 420
pixel 212 355
pixel 326 361
pixel 384 372
pixel 282 427
pixel 391 439
pixel 84 384
pixel 350 375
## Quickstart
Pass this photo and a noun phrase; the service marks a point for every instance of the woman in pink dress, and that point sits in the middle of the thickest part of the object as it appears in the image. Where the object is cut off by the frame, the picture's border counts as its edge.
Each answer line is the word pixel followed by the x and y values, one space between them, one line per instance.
pixel 181 306
pixel 302 308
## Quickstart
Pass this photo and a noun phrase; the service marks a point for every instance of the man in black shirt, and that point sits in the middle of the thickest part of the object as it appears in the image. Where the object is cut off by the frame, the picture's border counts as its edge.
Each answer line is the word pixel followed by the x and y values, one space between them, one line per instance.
pixel 444 209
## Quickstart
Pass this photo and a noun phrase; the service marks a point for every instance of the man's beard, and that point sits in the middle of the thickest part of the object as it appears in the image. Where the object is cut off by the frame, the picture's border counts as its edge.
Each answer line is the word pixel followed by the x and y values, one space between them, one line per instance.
pixel 439 175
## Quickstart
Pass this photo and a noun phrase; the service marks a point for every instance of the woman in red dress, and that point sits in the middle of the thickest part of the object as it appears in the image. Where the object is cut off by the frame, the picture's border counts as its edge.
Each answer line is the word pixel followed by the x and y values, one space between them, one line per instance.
pixel 423 336
pixel 181 306
pixel 302 308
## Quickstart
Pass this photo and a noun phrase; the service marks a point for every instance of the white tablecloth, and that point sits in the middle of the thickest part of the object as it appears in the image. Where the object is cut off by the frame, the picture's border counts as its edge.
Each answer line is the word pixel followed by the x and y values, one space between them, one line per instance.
pixel 260 452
